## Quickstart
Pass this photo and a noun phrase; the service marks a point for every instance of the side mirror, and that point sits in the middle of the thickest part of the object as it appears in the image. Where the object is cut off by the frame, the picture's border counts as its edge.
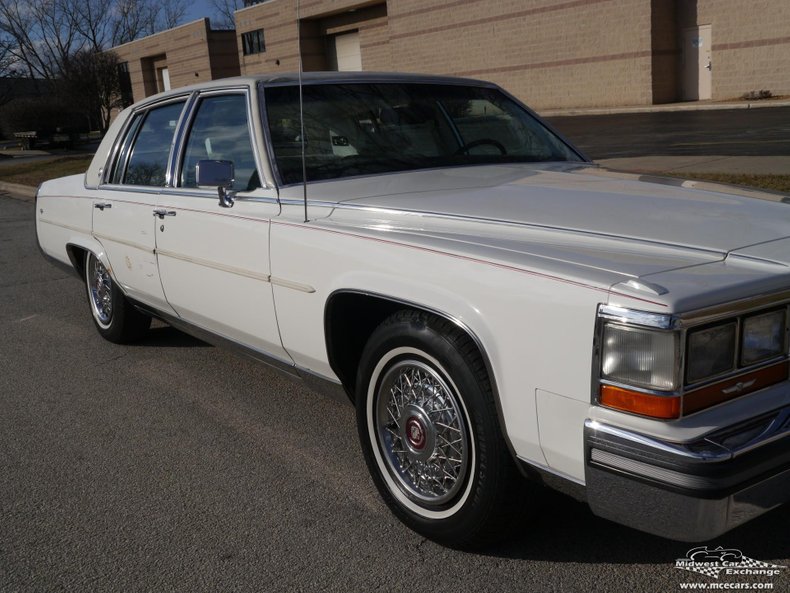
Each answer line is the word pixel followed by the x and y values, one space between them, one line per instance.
pixel 219 174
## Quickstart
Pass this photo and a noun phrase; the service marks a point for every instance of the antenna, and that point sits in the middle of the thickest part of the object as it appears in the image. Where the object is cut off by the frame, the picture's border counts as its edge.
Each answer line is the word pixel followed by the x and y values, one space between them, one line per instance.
pixel 301 108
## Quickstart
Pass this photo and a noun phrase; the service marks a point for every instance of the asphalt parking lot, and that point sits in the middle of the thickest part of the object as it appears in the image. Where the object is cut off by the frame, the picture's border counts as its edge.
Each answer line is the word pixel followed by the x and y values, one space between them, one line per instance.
pixel 175 466
pixel 736 132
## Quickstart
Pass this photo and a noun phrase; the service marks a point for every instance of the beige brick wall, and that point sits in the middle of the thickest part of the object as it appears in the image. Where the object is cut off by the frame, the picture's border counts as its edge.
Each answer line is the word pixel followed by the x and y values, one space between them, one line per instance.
pixel 192 53
pixel 751 44
pixel 320 18
pixel 550 53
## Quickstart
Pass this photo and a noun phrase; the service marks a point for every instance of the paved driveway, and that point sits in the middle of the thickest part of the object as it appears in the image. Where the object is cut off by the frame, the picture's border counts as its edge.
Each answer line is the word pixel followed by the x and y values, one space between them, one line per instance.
pixel 174 466
pixel 736 132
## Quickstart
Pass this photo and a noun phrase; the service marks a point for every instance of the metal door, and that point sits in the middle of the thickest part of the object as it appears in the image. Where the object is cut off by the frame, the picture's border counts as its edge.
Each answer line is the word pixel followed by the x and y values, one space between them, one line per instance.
pixel 697 63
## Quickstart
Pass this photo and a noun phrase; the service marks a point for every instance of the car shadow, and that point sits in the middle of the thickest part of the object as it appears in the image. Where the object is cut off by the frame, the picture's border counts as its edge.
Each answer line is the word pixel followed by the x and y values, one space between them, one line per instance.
pixel 561 529
pixel 162 335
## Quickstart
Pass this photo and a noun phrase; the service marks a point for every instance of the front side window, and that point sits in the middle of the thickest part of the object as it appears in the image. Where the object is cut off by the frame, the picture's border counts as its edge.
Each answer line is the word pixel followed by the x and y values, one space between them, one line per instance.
pixel 146 150
pixel 360 129
pixel 220 131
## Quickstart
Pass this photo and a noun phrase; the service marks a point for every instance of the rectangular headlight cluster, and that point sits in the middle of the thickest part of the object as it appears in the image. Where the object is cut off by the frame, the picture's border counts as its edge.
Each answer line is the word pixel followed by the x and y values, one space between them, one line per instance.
pixel 644 370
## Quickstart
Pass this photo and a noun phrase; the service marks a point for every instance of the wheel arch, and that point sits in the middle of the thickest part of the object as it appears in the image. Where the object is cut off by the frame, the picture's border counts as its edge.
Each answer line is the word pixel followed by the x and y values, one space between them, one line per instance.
pixel 77 250
pixel 351 315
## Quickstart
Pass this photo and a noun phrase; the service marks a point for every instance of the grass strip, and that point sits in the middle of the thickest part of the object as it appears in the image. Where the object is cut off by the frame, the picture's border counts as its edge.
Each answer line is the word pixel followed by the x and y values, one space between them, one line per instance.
pixel 33 173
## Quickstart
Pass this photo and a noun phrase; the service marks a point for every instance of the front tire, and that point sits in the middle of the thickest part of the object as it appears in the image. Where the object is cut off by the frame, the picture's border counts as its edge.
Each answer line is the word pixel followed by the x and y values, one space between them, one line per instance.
pixel 114 317
pixel 430 434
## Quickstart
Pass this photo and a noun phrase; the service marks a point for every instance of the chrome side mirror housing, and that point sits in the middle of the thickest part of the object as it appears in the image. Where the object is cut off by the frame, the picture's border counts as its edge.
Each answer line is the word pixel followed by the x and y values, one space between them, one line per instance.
pixel 219 174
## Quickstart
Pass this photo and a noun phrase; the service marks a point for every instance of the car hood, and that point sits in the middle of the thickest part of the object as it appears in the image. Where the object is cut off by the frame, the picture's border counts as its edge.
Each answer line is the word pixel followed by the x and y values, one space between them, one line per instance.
pixel 585 199
pixel 577 221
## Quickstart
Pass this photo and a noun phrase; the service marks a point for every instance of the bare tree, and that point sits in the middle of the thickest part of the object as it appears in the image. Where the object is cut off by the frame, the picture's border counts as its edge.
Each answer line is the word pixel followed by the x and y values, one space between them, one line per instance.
pixel 90 81
pixel 224 10
pixel 42 35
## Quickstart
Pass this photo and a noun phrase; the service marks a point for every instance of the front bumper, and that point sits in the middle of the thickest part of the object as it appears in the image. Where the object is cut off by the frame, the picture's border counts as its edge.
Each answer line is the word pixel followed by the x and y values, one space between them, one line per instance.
pixel 691 491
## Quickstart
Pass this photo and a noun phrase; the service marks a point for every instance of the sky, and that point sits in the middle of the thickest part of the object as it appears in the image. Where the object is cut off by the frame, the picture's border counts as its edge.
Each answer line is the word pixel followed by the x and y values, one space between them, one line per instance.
pixel 197 9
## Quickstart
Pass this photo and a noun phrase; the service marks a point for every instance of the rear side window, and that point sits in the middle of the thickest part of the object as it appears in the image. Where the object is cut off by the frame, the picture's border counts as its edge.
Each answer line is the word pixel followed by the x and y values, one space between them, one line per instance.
pixel 145 151
pixel 220 131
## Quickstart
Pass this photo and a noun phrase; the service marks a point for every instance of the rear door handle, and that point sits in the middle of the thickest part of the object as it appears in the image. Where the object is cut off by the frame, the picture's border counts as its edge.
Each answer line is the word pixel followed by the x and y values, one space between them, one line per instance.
pixel 102 205
pixel 161 212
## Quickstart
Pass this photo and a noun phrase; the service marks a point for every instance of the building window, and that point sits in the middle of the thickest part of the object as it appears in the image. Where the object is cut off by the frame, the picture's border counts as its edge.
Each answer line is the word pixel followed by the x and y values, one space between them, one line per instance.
pixel 252 42
pixel 248 3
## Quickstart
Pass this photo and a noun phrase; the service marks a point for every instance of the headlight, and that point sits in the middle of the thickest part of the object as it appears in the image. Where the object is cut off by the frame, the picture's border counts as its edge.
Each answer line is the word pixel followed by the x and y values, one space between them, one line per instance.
pixel 666 366
pixel 763 337
pixel 711 352
pixel 641 357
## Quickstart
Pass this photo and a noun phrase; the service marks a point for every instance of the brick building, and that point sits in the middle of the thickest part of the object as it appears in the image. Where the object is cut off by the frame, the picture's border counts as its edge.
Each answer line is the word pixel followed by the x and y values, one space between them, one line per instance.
pixel 184 55
pixel 550 53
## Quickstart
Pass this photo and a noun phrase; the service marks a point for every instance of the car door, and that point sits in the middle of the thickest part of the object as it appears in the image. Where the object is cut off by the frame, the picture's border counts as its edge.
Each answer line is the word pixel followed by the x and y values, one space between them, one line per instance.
pixel 214 260
pixel 123 217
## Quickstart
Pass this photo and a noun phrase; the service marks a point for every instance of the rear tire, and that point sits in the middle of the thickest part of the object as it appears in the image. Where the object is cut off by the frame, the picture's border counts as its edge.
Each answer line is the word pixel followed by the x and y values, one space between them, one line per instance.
pixel 114 317
pixel 430 434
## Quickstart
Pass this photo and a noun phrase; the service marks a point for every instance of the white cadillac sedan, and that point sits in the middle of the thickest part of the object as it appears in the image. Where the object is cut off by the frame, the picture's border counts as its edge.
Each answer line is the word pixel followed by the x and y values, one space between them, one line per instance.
pixel 494 305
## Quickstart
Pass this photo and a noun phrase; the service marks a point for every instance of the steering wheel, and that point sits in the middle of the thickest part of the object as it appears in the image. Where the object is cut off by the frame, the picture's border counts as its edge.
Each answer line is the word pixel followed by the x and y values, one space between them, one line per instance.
pixel 481 142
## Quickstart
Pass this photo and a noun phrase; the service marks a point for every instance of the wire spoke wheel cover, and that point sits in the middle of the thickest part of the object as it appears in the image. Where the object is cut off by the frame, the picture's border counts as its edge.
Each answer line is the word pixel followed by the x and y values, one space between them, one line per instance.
pixel 100 291
pixel 115 318
pixel 419 432
pixel 429 431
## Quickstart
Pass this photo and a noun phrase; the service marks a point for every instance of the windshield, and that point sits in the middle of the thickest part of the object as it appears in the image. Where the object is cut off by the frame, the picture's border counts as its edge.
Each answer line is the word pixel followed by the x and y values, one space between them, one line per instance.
pixel 362 129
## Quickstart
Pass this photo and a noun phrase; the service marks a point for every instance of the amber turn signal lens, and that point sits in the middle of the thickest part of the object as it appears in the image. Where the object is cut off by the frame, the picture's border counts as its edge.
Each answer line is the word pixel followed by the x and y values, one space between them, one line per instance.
pixel 655 406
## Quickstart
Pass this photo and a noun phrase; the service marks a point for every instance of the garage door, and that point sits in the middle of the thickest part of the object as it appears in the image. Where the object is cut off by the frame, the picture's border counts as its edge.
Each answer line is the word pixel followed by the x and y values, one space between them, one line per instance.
pixel 349 54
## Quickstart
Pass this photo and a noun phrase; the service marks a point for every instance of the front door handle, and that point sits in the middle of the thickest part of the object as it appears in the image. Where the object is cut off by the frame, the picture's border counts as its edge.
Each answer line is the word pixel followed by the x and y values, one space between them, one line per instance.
pixel 161 213
pixel 102 205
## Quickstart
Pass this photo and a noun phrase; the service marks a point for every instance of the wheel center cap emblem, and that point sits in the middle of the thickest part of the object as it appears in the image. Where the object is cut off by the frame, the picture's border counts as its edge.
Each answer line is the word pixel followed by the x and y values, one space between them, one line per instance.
pixel 415 433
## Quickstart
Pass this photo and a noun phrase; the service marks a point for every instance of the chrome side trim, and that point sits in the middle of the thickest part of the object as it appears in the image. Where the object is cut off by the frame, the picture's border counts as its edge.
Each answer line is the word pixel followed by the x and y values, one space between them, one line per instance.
pixel 214 265
pixel 131 244
pixel 292 285
pixel 65 226
pixel 138 189
pixel 211 195
pixel 187 113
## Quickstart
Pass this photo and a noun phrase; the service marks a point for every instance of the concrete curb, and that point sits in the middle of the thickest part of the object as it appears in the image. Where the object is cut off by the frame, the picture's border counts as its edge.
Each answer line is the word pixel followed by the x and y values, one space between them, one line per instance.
pixel 19 191
pixel 739 165
pixel 767 103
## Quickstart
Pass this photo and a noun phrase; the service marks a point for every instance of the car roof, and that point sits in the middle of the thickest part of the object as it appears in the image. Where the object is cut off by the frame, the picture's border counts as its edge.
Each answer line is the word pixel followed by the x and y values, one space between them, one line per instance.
pixel 308 78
